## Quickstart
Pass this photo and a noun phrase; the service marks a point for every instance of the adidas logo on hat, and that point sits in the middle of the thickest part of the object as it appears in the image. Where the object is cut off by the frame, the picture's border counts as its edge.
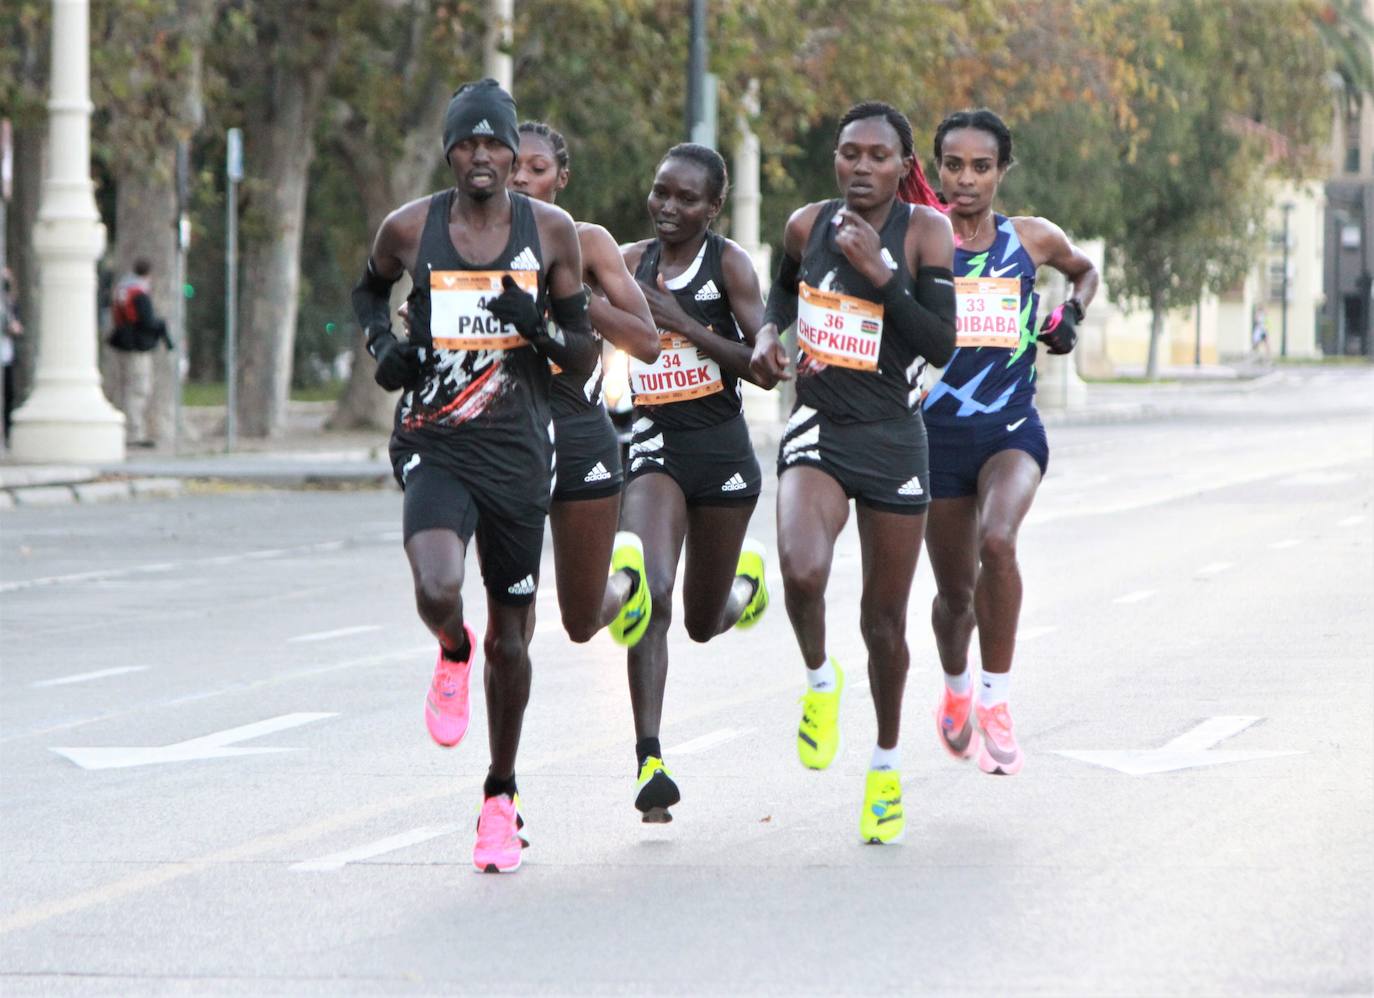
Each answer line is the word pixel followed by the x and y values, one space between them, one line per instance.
pixel 911 488
pixel 483 127
pixel 524 587
pixel 735 483
pixel 598 473
pixel 525 260
pixel 707 292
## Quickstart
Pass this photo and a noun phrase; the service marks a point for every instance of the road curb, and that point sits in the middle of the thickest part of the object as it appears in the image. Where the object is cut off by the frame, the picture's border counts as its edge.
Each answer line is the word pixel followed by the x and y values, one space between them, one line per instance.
pixel 94 491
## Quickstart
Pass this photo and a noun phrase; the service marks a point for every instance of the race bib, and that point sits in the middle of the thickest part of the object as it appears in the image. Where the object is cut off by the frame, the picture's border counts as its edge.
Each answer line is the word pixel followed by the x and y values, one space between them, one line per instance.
pixel 457 318
pixel 839 329
pixel 681 372
pixel 987 312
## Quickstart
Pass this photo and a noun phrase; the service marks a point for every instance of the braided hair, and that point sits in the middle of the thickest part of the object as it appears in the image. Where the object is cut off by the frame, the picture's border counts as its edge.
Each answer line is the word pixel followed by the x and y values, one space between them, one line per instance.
pixel 717 179
pixel 983 120
pixel 914 188
pixel 552 136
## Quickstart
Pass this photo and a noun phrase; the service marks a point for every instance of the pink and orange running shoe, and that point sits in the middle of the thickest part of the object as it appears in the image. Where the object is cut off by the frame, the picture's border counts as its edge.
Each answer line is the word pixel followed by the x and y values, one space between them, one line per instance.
pixel 498 845
pixel 954 724
pixel 999 755
pixel 446 707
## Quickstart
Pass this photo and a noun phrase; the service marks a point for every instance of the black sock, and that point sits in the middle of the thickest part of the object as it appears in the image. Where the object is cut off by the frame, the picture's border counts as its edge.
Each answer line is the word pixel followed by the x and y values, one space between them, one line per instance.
pixel 495 787
pixel 646 747
pixel 460 654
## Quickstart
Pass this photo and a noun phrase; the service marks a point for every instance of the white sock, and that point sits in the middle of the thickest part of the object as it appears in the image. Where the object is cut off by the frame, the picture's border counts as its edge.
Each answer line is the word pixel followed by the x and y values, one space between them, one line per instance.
pixel 959 685
pixel 823 678
pixel 994 688
pixel 886 758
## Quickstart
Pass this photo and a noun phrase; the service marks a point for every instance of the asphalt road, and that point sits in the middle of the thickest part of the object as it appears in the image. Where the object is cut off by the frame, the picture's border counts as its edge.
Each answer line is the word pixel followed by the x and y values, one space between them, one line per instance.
pixel 1201 582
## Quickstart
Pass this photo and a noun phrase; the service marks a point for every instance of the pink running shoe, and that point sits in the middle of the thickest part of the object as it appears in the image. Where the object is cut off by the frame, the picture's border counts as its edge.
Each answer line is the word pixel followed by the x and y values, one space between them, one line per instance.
pixel 498 843
pixel 446 707
pixel 999 754
pixel 954 724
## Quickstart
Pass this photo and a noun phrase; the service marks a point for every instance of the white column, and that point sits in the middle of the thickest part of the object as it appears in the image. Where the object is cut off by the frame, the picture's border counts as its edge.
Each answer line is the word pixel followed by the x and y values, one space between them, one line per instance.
pixel 67 418
pixel 760 407
pixel 500 22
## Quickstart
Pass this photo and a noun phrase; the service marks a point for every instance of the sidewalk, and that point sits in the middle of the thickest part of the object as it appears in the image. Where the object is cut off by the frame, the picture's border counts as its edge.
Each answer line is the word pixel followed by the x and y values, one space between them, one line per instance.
pixel 307 455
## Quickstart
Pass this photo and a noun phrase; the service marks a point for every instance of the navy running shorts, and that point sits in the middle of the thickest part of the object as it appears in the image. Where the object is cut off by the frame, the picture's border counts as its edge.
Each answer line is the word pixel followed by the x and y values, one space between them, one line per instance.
pixel 586 457
pixel 881 464
pixel 958 453
pixel 713 465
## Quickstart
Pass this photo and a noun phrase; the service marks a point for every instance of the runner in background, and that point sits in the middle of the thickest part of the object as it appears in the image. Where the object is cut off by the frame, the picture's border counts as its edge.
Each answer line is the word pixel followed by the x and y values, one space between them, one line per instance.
pixel 693 477
pixel 988 450
pixel 867 279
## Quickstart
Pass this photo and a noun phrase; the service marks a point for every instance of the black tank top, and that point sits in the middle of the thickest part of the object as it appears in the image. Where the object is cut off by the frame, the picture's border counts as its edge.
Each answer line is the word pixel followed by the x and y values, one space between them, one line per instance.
pixel 480 379
pixel 702 295
pixel 848 394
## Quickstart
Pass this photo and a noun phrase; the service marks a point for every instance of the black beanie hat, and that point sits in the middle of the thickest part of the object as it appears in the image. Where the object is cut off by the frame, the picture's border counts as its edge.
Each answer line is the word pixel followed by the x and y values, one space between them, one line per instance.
pixel 481 108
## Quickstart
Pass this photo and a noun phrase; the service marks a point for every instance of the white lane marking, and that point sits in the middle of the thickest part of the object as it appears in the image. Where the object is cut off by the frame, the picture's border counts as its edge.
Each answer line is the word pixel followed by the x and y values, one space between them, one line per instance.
pixel 707 741
pixel 82 677
pixel 1215 567
pixel 338 860
pixel 1139 596
pixel 218 745
pixel 1285 544
pixel 342 632
pixel 1351 521
pixel 1318 478
pixel 1031 633
pixel 1189 750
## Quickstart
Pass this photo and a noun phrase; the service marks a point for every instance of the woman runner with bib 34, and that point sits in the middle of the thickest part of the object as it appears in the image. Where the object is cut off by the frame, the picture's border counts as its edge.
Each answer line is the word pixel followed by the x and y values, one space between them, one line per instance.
pixel 987 445
pixel 693 478
pixel 866 277
pixel 587 473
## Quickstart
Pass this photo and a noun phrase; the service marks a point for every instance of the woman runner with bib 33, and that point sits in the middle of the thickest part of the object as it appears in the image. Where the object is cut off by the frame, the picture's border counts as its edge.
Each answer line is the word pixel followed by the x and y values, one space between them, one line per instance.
pixel 987 445
pixel 867 279
pixel 587 473
pixel 693 478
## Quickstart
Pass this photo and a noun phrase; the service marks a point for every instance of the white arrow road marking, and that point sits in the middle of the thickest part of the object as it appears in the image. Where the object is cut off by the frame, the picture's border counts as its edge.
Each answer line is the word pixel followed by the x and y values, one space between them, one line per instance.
pixel 342 632
pixel 708 741
pixel 216 746
pixel 1140 596
pixel 1031 633
pixel 82 677
pixel 1189 750
pixel 1285 544
pixel 1215 567
pixel 338 860
pixel 1351 521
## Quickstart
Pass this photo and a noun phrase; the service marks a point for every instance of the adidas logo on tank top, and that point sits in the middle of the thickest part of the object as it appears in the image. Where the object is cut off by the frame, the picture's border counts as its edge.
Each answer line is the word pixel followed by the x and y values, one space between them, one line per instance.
pixel 707 292
pixel 524 260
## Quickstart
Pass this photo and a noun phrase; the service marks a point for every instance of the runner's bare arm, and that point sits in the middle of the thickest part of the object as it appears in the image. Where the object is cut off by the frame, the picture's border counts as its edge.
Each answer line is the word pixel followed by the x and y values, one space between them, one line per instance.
pixel 770 357
pixel 622 316
pixel 1050 245
pixel 746 303
pixel 393 252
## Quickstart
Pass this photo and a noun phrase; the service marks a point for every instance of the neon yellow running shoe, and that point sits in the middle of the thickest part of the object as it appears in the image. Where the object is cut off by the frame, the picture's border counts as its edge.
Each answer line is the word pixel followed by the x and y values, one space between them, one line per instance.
pixel 751 566
pixel 882 820
pixel 818 737
pixel 655 792
pixel 632 621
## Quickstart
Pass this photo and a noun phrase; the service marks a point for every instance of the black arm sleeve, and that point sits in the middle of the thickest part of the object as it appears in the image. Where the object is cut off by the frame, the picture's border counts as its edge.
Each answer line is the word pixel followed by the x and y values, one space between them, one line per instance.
pixel 372 304
pixel 927 319
pixel 782 296
pixel 572 344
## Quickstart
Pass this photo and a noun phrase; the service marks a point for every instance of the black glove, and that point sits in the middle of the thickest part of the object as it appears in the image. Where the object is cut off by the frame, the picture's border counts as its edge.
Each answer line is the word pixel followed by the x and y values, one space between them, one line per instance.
pixel 516 307
pixel 1060 333
pixel 398 364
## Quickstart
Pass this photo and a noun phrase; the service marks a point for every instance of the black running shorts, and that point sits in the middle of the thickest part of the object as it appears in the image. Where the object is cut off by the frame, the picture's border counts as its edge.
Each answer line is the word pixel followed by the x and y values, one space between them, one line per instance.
pixel 713 465
pixel 586 456
pixel 882 464
pixel 510 534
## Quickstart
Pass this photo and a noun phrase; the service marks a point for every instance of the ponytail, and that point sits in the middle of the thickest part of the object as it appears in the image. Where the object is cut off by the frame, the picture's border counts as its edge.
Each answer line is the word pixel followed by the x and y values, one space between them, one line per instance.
pixel 915 189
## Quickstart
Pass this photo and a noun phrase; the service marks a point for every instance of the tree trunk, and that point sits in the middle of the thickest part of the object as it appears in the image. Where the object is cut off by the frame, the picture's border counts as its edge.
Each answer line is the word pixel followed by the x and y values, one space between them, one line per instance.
pixel 279 147
pixel 1157 316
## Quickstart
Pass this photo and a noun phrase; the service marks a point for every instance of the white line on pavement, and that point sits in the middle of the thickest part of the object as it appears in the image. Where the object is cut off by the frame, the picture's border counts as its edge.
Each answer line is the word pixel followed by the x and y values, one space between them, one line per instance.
pixel 1139 596
pixel 342 632
pixel 338 860
pixel 708 741
pixel 1215 567
pixel 1031 633
pixel 82 677
pixel 1351 521
pixel 1287 542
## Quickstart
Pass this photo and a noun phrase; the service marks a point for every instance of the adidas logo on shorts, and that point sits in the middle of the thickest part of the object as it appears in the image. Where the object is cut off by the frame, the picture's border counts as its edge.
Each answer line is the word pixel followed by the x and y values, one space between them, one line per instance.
pixel 525 587
pixel 524 260
pixel 911 488
pixel 598 473
pixel 707 292
pixel 735 483
pixel 483 127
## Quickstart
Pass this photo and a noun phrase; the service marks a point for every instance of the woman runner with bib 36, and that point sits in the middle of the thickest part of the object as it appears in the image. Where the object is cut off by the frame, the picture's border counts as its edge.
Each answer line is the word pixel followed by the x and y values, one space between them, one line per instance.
pixel 471 446
pixel 587 473
pixel 987 445
pixel 693 478
pixel 866 277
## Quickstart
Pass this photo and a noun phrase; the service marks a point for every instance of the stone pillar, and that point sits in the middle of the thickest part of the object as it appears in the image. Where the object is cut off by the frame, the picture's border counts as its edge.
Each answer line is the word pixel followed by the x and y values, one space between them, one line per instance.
pixel 760 407
pixel 67 418
pixel 497 63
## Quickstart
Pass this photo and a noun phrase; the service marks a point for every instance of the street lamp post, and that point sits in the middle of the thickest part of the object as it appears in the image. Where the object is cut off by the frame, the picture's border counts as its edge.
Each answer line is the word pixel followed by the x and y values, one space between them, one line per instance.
pixel 67 417
pixel 1288 207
